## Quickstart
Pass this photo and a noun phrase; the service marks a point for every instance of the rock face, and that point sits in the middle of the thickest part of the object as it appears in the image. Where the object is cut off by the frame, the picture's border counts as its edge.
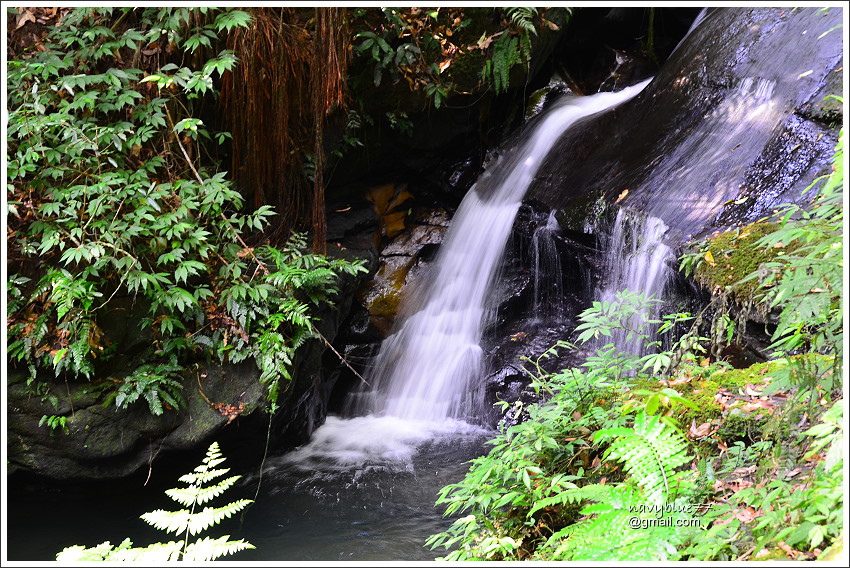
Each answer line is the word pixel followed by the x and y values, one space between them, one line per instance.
pixel 732 125
pixel 104 442
pixel 224 402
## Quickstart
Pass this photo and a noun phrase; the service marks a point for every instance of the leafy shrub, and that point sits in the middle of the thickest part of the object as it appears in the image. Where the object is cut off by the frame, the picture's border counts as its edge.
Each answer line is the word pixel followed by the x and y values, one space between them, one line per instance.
pixel 109 196
pixel 541 492
pixel 188 522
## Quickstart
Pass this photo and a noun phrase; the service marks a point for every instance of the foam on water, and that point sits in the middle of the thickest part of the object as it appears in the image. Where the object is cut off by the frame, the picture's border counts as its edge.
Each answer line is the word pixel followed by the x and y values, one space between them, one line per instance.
pixel 364 442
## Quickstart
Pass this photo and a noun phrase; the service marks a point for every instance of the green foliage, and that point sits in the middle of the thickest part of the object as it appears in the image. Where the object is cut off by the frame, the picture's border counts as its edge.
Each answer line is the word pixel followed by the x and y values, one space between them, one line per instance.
pixel 200 489
pixel 805 513
pixel 55 422
pixel 512 48
pixel 400 48
pixel 550 490
pixel 651 451
pixel 443 51
pixel 152 383
pixel 806 284
pixel 540 492
pixel 793 265
pixel 110 197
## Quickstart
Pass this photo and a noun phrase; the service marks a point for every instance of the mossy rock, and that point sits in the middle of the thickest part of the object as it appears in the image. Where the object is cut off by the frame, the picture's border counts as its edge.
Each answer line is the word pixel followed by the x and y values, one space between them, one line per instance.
pixel 733 423
pixel 731 256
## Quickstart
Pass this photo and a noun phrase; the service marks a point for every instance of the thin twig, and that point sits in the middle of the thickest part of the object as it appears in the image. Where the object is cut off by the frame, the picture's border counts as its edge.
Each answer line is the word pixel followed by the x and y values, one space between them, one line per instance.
pixel 250 250
pixel 153 457
pixel 337 353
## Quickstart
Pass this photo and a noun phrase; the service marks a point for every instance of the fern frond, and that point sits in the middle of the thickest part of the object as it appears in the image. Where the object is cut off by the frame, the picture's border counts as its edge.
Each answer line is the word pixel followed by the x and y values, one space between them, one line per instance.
pixel 573 495
pixel 79 553
pixel 155 405
pixel 650 452
pixel 168 521
pixel 211 516
pixel 201 477
pixel 521 18
pixel 591 538
pixel 206 549
pixel 155 553
pixel 188 496
pixel 178 522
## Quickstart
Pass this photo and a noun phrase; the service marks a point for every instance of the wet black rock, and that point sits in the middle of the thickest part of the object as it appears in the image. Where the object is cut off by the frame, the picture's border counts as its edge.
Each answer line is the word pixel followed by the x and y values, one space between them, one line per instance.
pixel 657 142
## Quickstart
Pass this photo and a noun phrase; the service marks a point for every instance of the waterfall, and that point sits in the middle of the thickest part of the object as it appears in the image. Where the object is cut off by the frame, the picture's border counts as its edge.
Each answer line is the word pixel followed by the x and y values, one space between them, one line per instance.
pixel 690 183
pixel 548 275
pixel 636 259
pixel 424 369
pixel 421 382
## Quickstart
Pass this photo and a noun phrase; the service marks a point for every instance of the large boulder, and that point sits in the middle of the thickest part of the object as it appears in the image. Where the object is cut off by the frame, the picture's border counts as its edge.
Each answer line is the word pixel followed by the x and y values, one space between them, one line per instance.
pixel 100 441
pixel 734 123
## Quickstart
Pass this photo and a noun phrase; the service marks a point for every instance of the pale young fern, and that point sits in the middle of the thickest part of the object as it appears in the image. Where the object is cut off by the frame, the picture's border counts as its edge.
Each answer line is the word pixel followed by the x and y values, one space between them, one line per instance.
pixel 619 523
pixel 650 451
pixel 200 490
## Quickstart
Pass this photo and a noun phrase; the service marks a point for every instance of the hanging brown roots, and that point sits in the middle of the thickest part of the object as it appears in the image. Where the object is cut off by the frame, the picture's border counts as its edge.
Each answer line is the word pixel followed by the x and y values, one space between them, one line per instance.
pixel 293 65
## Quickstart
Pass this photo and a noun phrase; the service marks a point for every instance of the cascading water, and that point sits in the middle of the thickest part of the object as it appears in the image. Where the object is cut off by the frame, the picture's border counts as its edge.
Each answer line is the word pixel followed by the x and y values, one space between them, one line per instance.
pixel 697 179
pixel 548 296
pixel 637 260
pixel 423 370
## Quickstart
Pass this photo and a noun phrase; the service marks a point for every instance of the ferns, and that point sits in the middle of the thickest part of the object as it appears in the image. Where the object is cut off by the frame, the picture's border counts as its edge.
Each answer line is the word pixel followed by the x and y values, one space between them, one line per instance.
pixel 521 18
pixel 186 521
pixel 155 384
pixel 512 48
pixel 608 532
pixel 650 451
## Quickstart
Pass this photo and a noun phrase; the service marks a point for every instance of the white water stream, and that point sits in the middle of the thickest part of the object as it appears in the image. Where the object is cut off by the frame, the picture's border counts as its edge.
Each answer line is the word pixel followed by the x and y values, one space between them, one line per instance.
pixel 548 299
pixel 424 370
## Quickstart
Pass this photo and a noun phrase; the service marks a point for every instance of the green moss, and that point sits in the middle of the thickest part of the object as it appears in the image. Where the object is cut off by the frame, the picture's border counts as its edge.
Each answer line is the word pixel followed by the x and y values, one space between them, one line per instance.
pixel 775 554
pixel 737 379
pixel 733 255
pixel 706 382
pixel 740 425
pixel 702 395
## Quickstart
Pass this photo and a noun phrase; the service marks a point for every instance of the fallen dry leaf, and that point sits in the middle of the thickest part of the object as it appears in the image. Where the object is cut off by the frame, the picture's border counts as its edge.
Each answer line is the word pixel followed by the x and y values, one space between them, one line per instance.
pixel 744 470
pixel 747 515
pixel 680 381
pixel 22 18
pixel 790 552
pixel 701 431
pixel 758 404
